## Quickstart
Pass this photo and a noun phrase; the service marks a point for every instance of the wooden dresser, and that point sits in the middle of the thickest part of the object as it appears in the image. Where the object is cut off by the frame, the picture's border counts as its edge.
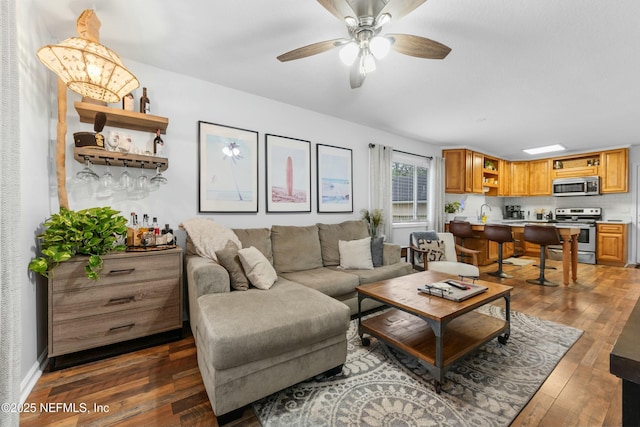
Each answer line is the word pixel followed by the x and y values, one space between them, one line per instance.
pixel 138 294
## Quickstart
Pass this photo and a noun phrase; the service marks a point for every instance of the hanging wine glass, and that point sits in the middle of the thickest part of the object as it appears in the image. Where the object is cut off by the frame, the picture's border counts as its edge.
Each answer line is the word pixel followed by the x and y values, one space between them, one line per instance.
pixel 141 185
pixel 124 181
pixel 158 179
pixel 105 185
pixel 87 173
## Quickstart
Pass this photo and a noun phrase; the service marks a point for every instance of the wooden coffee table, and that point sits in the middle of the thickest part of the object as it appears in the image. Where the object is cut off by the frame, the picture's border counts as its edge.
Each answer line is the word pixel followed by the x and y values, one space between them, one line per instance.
pixel 437 331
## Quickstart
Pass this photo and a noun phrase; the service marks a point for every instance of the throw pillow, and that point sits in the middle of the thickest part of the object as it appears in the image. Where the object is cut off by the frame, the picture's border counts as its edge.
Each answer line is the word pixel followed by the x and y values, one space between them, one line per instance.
pixel 209 236
pixel 434 249
pixel 377 250
pixel 355 254
pixel 229 259
pixel 259 270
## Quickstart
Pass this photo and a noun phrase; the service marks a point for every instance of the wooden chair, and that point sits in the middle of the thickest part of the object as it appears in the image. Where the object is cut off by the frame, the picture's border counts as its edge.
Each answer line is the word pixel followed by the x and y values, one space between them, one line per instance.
pixel 426 252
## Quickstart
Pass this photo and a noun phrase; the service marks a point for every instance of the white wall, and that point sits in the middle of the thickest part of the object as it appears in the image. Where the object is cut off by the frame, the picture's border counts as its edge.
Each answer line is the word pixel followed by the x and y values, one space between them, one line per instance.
pixel 185 101
pixel 35 143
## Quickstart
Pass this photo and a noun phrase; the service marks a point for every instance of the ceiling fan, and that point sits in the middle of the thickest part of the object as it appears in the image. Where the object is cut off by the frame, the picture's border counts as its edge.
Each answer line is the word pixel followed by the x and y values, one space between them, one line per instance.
pixel 364 20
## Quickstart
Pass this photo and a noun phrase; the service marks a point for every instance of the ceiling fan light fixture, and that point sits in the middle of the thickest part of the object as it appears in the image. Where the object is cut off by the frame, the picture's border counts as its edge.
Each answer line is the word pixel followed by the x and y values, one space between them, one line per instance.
pixel 382 20
pixel 349 53
pixel 368 63
pixel 380 46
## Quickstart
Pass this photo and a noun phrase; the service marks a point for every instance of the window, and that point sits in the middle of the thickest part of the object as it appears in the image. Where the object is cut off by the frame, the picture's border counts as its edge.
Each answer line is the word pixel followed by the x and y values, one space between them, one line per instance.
pixel 410 184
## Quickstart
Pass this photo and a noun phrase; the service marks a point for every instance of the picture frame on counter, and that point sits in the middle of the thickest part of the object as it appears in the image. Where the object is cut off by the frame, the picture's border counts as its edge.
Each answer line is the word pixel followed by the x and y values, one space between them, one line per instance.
pixel 227 169
pixel 334 179
pixel 288 174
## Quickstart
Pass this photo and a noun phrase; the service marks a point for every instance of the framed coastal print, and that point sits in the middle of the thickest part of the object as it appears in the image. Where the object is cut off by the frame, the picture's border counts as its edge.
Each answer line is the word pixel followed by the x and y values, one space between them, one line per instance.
pixel 288 172
pixel 228 169
pixel 334 179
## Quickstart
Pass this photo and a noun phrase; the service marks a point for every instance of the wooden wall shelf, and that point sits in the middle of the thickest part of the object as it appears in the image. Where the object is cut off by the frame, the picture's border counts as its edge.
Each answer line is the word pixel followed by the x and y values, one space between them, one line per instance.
pixel 122 118
pixel 99 156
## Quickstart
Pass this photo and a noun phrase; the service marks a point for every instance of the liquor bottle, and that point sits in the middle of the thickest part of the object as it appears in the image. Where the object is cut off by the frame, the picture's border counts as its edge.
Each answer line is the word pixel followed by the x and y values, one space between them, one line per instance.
pixel 132 230
pixel 145 104
pixel 158 145
pixel 156 231
pixel 143 231
pixel 168 234
pixel 127 102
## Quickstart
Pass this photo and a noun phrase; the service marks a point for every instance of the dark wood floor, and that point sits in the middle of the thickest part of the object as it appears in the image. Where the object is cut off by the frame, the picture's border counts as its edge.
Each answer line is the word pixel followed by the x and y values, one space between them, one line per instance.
pixel 161 386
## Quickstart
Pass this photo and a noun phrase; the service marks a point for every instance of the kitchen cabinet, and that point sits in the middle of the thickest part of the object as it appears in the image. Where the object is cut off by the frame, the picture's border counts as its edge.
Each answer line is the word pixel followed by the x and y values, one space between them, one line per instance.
pixel 463 171
pixel 490 176
pixel 611 244
pixel 504 185
pixel 576 166
pixel 520 178
pixel 138 294
pixel 614 171
pixel 540 177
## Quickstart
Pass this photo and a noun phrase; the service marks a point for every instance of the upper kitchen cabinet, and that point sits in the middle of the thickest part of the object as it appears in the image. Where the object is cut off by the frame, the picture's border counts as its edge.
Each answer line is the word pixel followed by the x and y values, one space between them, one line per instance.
pixel 504 185
pixel 491 175
pixel 614 171
pixel 576 166
pixel 520 178
pixel 540 177
pixel 463 171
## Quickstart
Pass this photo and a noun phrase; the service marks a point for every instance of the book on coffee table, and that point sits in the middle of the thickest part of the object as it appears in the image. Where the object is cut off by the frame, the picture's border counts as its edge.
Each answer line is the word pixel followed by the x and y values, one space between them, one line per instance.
pixel 453 290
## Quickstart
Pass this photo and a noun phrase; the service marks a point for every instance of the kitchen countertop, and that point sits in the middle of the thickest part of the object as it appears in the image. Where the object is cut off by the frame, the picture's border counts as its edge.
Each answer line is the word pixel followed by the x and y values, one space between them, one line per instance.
pixel 539 221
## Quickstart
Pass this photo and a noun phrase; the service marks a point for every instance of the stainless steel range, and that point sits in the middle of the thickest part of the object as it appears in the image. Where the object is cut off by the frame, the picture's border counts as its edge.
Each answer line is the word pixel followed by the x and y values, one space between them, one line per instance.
pixel 584 219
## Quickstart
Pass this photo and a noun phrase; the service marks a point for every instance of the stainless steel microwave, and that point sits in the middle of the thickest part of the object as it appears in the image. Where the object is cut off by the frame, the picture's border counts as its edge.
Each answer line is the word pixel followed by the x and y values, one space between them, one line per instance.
pixel 584 186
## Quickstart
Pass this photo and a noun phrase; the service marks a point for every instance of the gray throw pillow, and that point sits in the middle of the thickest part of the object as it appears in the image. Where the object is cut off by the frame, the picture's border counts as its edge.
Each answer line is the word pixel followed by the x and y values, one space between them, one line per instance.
pixel 229 259
pixel 377 249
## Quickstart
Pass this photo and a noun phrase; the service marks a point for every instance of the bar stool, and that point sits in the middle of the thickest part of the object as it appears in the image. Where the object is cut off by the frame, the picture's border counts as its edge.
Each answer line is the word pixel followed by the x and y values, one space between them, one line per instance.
pixel 461 230
pixel 502 234
pixel 543 236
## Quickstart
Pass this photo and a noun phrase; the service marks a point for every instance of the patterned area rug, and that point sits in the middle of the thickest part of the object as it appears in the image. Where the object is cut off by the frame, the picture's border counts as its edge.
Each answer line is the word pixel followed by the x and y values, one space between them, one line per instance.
pixel 379 386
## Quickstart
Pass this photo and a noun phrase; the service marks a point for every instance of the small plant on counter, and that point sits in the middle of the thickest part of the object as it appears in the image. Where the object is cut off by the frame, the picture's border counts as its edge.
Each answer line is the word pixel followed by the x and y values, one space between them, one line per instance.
pixel 451 207
pixel 374 219
pixel 93 232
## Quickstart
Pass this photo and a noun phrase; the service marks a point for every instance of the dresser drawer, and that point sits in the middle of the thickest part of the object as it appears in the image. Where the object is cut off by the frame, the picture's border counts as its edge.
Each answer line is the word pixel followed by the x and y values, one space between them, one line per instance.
pixel 96 331
pixel 94 300
pixel 611 228
pixel 118 268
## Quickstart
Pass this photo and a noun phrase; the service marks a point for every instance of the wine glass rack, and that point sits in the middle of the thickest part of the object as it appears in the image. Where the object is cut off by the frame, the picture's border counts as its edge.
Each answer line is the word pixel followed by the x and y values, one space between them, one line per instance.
pixel 99 156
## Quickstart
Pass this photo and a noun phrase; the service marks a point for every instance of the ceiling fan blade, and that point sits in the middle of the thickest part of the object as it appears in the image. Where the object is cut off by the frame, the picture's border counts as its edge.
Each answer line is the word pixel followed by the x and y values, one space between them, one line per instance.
pixel 338 8
pixel 312 49
pixel 399 8
pixel 420 47
pixel 356 77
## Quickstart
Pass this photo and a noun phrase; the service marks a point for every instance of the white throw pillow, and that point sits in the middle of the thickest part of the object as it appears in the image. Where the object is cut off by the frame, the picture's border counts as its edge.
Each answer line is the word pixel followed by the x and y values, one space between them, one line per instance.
pixel 209 236
pixel 355 254
pixel 257 267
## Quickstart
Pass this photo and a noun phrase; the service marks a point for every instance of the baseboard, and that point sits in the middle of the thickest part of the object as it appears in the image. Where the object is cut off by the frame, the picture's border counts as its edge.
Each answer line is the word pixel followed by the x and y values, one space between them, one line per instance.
pixel 29 382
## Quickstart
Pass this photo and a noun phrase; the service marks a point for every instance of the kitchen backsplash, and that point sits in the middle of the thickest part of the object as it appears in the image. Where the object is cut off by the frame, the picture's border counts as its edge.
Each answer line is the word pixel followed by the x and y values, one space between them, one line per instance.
pixel 614 206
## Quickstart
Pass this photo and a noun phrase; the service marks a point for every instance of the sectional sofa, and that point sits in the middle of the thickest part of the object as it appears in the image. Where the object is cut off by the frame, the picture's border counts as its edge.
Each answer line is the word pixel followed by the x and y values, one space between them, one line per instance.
pixel 251 343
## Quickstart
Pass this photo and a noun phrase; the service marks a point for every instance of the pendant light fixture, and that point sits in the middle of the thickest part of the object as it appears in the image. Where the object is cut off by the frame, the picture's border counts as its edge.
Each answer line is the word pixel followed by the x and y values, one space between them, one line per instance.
pixel 88 67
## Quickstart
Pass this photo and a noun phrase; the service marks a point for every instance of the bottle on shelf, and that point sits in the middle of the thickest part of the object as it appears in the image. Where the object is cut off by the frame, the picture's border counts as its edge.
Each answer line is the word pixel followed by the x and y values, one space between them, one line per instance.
pixel 156 231
pixel 144 232
pixel 145 104
pixel 132 231
pixel 158 145
pixel 127 102
pixel 167 233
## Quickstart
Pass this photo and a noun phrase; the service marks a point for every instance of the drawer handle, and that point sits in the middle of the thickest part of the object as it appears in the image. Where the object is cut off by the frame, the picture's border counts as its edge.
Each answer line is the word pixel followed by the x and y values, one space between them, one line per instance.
pixel 124 271
pixel 115 328
pixel 122 300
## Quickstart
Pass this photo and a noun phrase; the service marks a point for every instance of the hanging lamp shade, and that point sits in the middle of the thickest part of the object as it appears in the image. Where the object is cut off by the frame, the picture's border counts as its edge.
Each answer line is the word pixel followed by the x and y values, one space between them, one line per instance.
pixel 88 67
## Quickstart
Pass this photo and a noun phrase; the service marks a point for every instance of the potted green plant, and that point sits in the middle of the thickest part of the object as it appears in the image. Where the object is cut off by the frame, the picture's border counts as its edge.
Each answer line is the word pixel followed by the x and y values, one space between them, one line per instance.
pixel 374 219
pixel 451 207
pixel 92 232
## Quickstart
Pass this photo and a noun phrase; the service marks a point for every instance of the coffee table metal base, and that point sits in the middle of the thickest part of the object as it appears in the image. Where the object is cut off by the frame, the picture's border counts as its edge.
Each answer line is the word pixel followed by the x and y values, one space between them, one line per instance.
pixel 436 343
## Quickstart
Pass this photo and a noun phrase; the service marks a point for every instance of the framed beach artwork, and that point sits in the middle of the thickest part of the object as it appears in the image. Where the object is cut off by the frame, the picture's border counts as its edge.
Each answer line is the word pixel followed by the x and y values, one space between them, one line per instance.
pixel 288 174
pixel 334 179
pixel 228 169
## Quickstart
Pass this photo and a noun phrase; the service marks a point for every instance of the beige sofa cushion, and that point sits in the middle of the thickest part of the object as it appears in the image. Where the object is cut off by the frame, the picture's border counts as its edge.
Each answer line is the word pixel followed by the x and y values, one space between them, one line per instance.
pixel 295 248
pixel 228 258
pixel 241 327
pixel 356 254
pixel 257 268
pixel 329 282
pixel 330 234
pixel 259 238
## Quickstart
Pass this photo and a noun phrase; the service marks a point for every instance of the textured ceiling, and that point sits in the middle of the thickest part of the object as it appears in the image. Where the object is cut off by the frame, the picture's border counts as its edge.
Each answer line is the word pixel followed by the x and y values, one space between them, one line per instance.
pixel 520 74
